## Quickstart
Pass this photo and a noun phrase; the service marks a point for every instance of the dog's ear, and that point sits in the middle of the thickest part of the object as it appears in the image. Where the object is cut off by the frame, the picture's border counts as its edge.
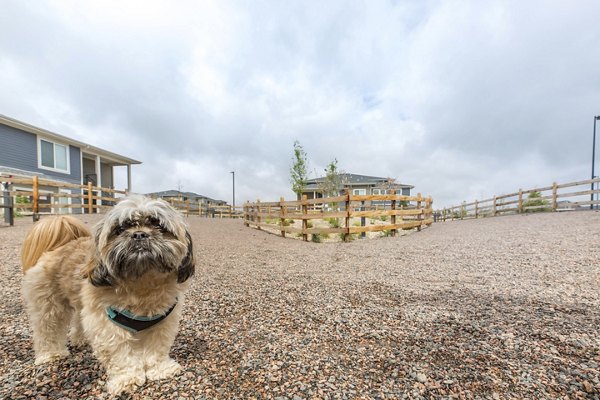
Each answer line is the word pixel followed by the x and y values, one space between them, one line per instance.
pixel 98 274
pixel 187 267
pixel 95 270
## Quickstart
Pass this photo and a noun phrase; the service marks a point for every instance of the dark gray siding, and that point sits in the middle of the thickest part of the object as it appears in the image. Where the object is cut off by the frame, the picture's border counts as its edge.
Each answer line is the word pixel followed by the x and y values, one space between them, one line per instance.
pixel 18 149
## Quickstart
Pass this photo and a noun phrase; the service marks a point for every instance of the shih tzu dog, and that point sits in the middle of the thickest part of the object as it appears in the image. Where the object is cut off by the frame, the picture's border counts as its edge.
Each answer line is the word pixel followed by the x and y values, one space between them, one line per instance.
pixel 120 289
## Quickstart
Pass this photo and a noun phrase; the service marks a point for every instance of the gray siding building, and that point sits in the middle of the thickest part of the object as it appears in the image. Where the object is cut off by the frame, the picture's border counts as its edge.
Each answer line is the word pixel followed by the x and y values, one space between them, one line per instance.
pixel 27 151
pixel 358 185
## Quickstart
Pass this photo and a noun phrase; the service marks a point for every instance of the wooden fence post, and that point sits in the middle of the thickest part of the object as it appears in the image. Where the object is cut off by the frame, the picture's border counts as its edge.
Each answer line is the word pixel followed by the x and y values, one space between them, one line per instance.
pixel 90 197
pixel 393 218
pixel 347 222
pixel 554 196
pixel 363 220
pixel 494 212
pixel 246 217
pixel 282 215
pixel 520 205
pixel 476 208
pixel 420 215
pixel 304 220
pixel 258 219
pixel 35 197
pixel 463 209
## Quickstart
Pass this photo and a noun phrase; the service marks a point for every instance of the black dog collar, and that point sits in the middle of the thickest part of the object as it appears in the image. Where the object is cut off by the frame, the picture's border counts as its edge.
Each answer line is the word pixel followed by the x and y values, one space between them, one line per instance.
pixel 127 320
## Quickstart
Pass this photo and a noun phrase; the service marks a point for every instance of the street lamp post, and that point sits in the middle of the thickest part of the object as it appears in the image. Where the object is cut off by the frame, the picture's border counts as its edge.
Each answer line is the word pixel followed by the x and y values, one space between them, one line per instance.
pixel 596 118
pixel 233 176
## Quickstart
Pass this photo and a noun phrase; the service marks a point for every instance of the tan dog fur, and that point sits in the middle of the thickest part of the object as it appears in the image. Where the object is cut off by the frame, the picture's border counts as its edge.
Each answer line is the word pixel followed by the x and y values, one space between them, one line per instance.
pixel 71 278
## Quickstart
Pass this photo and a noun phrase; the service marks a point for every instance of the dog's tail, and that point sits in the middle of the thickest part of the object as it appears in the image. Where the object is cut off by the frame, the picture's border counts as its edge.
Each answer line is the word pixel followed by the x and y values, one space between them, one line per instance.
pixel 50 234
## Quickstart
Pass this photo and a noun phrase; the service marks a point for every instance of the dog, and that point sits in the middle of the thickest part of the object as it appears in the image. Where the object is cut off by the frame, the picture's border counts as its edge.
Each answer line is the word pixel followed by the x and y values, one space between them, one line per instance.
pixel 120 288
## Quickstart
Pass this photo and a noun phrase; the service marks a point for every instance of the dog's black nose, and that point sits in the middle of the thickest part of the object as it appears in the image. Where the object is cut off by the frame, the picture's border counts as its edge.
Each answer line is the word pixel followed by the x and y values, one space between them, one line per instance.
pixel 139 235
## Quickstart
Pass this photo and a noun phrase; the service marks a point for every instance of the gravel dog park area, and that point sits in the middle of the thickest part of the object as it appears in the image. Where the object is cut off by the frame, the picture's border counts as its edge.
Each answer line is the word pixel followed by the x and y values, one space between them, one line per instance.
pixel 494 308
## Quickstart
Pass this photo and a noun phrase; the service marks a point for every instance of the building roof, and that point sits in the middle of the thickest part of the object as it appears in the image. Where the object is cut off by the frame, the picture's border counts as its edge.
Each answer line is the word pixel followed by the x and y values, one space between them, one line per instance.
pixel 177 193
pixel 113 158
pixel 355 180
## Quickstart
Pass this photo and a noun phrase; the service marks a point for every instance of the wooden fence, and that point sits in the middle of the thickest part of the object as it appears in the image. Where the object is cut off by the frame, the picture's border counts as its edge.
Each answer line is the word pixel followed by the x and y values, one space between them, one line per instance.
pixel 557 197
pixel 39 196
pixel 189 207
pixel 281 216
pixel 45 196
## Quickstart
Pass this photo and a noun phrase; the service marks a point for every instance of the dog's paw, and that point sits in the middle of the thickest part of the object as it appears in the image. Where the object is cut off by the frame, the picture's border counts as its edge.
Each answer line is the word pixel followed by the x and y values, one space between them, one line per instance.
pixel 77 341
pixel 162 370
pixel 124 383
pixel 44 358
pixel 76 338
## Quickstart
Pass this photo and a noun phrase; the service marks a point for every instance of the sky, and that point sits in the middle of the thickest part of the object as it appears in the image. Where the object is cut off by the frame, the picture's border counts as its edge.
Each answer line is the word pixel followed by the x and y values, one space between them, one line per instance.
pixel 462 99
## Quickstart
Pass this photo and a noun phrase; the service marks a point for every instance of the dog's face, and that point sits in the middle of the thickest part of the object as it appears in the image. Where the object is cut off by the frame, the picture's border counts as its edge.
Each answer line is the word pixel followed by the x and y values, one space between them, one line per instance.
pixel 137 236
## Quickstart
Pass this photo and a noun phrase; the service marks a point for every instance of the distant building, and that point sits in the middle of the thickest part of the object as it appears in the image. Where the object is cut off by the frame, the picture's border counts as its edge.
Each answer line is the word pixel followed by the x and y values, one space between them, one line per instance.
pixel 358 185
pixel 194 198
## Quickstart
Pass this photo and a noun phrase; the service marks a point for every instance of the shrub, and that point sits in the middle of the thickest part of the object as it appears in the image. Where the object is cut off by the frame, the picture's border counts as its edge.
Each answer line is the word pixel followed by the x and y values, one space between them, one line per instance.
pixel 286 222
pixel 334 222
pixel 535 200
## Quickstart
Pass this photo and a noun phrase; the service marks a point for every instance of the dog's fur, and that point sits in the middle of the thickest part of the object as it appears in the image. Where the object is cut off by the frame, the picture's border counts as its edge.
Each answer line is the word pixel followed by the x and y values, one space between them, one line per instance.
pixel 139 259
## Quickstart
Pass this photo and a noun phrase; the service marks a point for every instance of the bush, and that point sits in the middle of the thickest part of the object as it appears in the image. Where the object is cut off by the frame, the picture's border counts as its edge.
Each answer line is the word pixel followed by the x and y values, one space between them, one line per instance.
pixel 535 200
pixel 22 200
pixel 334 222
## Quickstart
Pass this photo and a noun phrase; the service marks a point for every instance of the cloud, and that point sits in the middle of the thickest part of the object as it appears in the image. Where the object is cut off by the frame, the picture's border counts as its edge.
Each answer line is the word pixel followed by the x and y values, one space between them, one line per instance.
pixel 460 99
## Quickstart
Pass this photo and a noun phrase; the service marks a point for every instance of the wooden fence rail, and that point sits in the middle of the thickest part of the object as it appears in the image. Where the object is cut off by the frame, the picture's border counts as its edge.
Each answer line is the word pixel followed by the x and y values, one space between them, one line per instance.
pixel 414 212
pixel 548 198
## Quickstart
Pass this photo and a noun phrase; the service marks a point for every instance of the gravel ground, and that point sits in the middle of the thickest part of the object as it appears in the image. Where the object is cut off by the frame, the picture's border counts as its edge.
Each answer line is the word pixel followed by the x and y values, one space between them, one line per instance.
pixel 505 307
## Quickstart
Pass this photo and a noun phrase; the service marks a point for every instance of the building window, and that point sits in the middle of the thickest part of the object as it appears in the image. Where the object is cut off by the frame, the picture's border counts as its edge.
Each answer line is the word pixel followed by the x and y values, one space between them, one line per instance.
pixel 359 192
pixel 54 156
pixel 382 191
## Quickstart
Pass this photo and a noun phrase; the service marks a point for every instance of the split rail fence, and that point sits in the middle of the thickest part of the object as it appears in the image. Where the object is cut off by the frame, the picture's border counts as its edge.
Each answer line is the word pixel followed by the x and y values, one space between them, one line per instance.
pixel 189 207
pixel 37 196
pixel 403 212
pixel 556 197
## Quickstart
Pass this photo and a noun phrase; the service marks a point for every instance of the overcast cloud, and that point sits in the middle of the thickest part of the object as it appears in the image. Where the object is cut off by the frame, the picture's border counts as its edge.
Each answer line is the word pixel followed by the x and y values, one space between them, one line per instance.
pixel 461 99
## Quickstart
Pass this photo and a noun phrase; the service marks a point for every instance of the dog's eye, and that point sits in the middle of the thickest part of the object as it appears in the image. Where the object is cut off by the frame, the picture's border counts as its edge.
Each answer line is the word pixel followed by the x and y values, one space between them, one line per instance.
pixel 155 222
pixel 117 230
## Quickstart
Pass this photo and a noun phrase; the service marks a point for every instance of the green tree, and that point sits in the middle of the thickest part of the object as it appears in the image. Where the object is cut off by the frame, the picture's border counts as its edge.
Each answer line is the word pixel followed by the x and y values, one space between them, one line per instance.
pixel 298 174
pixel 333 182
